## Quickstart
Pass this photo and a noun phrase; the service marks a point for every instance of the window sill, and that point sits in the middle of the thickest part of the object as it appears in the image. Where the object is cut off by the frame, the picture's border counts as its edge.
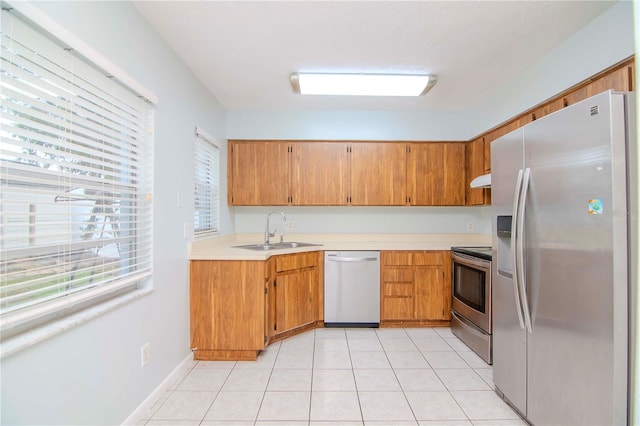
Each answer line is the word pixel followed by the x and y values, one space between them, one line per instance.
pixel 30 338
pixel 204 235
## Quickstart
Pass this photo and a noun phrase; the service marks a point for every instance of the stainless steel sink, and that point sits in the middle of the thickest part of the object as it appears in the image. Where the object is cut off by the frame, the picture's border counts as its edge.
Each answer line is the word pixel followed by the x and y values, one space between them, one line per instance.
pixel 276 246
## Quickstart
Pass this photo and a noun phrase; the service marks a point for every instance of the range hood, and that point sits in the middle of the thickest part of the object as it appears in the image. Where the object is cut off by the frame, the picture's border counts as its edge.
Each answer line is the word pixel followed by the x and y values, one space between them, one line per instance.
pixel 483 181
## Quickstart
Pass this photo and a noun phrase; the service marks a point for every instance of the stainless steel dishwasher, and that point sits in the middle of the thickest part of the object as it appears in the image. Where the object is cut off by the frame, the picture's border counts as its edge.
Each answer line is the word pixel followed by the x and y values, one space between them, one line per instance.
pixel 352 288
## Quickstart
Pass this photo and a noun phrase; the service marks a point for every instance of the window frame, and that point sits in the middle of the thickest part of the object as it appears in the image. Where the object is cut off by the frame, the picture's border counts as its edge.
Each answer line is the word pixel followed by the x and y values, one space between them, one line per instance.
pixel 75 307
pixel 207 145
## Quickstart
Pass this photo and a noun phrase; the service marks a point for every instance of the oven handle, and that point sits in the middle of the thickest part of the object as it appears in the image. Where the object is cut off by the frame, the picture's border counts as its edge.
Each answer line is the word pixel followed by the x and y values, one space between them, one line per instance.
pixel 520 246
pixel 471 261
pixel 514 255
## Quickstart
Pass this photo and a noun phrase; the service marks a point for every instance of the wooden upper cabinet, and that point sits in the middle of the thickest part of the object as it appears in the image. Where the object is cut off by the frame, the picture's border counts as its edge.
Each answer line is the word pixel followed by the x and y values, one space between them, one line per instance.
pixel 575 96
pixel 487 156
pixel 437 174
pixel 621 80
pixel 475 167
pixel 378 174
pixel 320 173
pixel 546 109
pixel 258 173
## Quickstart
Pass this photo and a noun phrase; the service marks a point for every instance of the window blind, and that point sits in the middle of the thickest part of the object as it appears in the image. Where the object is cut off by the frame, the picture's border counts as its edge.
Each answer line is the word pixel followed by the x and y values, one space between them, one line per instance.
pixel 207 184
pixel 75 181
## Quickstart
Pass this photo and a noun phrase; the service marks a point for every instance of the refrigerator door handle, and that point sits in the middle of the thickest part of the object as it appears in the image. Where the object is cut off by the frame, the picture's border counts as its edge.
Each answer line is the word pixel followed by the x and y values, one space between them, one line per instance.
pixel 514 257
pixel 520 250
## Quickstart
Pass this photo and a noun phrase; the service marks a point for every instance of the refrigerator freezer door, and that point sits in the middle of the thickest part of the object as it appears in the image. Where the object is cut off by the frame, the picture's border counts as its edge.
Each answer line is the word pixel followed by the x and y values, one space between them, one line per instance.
pixel 509 338
pixel 575 221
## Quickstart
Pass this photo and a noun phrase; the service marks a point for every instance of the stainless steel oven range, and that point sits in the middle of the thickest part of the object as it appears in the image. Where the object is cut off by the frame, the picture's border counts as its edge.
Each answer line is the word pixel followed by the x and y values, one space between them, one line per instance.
pixel 471 299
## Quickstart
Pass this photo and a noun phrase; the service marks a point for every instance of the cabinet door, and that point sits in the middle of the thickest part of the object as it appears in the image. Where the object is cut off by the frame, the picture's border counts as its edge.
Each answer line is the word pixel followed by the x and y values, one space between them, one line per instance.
pixel 475 168
pixel 319 173
pixel 270 302
pixel 620 80
pixel 227 303
pixel 258 173
pixel 433 295
pixel 295 299
pixel 378 174
pixel 437 174
pixel 548 108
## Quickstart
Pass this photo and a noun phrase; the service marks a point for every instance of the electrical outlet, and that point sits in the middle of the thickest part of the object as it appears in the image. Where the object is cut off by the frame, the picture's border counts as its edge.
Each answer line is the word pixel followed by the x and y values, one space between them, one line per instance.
pixel 186 230
pixel 179 199
pixel 144 355
pixel 288 225
pixel 470 227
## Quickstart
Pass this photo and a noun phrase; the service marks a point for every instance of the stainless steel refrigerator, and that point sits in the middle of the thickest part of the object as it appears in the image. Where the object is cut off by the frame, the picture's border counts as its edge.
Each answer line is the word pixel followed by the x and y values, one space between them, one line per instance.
pixel 564 225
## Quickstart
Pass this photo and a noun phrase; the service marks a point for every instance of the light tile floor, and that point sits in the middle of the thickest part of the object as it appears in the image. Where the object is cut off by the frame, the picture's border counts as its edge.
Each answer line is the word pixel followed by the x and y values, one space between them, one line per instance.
pixel 338 376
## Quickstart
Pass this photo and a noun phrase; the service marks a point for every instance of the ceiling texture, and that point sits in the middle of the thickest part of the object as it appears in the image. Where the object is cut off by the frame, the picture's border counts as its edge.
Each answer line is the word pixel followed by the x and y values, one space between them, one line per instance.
pixel 244 51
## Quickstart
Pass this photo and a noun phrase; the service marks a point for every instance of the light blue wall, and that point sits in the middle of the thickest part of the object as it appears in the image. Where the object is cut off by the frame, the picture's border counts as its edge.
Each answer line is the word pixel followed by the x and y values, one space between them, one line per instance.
pixel 608 39
pixel 91 374
pixel 346 125
pixel 369 220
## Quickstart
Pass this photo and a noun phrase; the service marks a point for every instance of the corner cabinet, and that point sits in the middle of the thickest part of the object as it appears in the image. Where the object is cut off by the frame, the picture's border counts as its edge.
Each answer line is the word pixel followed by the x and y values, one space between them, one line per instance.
pixel 238 306
pixel 227 309
pixel 415 288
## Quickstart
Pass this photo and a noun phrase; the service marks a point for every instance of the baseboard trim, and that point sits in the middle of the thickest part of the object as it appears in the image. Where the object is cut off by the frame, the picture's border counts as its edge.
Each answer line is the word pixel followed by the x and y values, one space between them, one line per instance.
pixel 139 413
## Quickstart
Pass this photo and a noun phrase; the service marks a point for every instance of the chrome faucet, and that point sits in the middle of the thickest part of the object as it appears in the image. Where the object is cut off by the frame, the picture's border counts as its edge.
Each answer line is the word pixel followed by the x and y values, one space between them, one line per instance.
pixel 267 233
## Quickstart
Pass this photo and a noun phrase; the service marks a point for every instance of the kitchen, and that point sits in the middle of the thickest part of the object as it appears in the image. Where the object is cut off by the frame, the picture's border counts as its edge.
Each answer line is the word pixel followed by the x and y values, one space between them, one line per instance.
pixel 162 318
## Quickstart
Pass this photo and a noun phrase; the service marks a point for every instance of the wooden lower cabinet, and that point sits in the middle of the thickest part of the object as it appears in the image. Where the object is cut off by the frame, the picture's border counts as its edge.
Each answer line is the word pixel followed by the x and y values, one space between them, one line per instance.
pixel 415 288
pixel 227 308
pixel 296 289
pixel 238 307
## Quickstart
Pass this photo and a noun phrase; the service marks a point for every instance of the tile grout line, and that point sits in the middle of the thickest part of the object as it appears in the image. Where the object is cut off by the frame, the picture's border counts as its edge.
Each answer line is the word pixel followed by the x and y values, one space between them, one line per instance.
pixel 396 376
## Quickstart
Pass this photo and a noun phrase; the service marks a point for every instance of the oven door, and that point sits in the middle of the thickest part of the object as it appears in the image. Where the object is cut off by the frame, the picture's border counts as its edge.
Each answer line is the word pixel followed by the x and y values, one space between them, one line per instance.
pixel 472 289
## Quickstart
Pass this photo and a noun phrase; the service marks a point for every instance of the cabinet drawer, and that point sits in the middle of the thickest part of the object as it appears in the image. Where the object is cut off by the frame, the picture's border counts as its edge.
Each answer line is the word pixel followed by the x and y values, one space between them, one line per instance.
pixel 289 262
pixel 397 275
pixel 398 290
pixel 428 258
pixel 397 308
pixel 411 258
pixel 399 258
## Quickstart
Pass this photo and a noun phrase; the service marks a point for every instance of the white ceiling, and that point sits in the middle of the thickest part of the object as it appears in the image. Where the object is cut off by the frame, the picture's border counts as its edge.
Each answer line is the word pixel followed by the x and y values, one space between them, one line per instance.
pixel 244 51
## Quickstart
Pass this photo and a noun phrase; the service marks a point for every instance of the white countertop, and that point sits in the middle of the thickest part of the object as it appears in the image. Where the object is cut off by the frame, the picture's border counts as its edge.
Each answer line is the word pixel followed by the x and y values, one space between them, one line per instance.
pixel 221 248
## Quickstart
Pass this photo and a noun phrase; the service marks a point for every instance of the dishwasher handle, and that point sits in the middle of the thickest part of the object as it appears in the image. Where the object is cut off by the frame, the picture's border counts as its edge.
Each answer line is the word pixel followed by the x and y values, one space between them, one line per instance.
pixel 336 258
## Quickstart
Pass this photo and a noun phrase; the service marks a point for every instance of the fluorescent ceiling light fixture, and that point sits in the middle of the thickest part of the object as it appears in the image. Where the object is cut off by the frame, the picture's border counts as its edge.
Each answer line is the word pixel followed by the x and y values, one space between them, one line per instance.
pixel 361 84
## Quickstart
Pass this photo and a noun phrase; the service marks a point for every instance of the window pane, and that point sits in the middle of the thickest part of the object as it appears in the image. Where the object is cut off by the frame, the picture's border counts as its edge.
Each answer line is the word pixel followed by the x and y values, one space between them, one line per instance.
pixel 207 187
pixel 75 175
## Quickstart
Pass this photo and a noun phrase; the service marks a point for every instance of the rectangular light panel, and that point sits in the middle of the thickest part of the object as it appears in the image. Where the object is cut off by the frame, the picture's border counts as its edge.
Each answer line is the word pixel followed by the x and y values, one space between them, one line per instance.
pixel 361 84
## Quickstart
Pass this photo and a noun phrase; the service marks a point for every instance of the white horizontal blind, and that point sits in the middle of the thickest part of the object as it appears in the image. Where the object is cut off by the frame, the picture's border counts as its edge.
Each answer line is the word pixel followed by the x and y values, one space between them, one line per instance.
pixel 75 172
pixel 207 184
